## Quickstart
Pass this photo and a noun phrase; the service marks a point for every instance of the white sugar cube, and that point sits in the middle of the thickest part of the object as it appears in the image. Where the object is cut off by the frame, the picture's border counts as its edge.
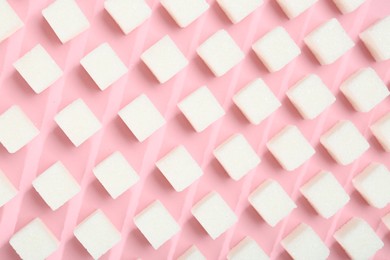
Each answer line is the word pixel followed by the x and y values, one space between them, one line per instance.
pixel 66 19
pixel 184 12
pixel 34 241
pixel 237 156
pixel 290 148
pixel 276 49
pixel 201 108
pixel 164 59
pixel 9 21
pixel 364 89
pixel 78 122
pixel 358 239
pixel 247 249
pixel 265 198
pixel 38 69
pixel 142 117
pixel 256 101
pixel 192 253
pixel 238 10
pixel 381 130
pixel 115 174
pixel 377 39
pixel 344 142
pixel 304 243
pixel 220 53
pixel 373 184
pixel 56 185
pixel 294 8
pixel 156 224
pixel 7 190
pixel 348 6
pixel 386 220
pixel 310 96
pixel 214 214
pixel 16 129
pixel 97 234
pixel 325 194
pixel 128 14
pixel 104 66
pixel 329 41
pixel 179 168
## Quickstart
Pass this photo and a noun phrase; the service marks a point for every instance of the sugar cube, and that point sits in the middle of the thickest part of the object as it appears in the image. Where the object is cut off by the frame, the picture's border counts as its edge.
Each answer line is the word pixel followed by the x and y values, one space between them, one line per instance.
pixel 164 59
pixel 290 148
pixel 184 12
pixel 265 198
pixel 377 39
pixel 386 220
pixel 128 14
pixel 220 53
pixel 142 117
pixel 66 19
pixel 238 10
pixel 310 96
pixel 97 234
pixel 214 214
pixel 373 184
pixel 38 69
pixel 381 130
pixel 104 66
pixel 7 190
pixel 56 185
pixel 344 142
pixel 325 194
pixel 256 101
pixel 156 224
pixel 329 42
pixel 364 89
pixel 247 249
pixel 294 8
pixel 16 129
pixel 179 168
pixel 34 241
pixel 358 239
pixel 304 243
pixel 348 6
pixel 192 253
pixel 10 21
pixel 115 174
pixel 237 156
pixel 201 108
pixel 276 49
pixel 78 122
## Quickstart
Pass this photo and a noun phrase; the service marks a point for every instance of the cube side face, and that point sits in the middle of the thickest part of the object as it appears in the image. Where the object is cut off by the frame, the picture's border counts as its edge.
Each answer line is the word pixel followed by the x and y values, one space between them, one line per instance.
pixel 7 189
pixel 237 11
pixel 294 9
pixel 10 21
pixel 377 39
pixel 184 12
pixel 247 249
pixel 348 6
pixel 381 131
pixel 386 220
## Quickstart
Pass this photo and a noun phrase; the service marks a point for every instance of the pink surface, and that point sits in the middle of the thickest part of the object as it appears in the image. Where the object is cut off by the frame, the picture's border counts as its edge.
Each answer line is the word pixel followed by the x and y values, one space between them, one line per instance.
pixel 52 145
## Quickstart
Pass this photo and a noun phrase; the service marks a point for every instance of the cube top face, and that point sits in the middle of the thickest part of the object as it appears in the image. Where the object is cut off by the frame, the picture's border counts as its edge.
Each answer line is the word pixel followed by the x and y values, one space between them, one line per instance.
pixel 104 66
pixel 290 148
pixel 56 185
pixel 293 9
pixel 358 239
pixel 201 108
pixel 156 224
pixel 184 12
pixel 348 6
pixel 310 96
pixel 276 49
pixel 179 168
pixel 237 11
pixel 214 214
pixel 377 39
pixel 329 42
pixel 381 130
pixel 220 53
pixel 116 174
pixel 7 189
pixel 256 101
pixel 16 129
pixel 237 156
pixel 38 69
pixel 128 14
pixel 164 59
pixel 34 241
pixel 344 142
pixel 192 253
pixel 78 122
pixel 10 21
pixel 247 249
pixel 66 19
pixel 142 117
pixel 364 90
